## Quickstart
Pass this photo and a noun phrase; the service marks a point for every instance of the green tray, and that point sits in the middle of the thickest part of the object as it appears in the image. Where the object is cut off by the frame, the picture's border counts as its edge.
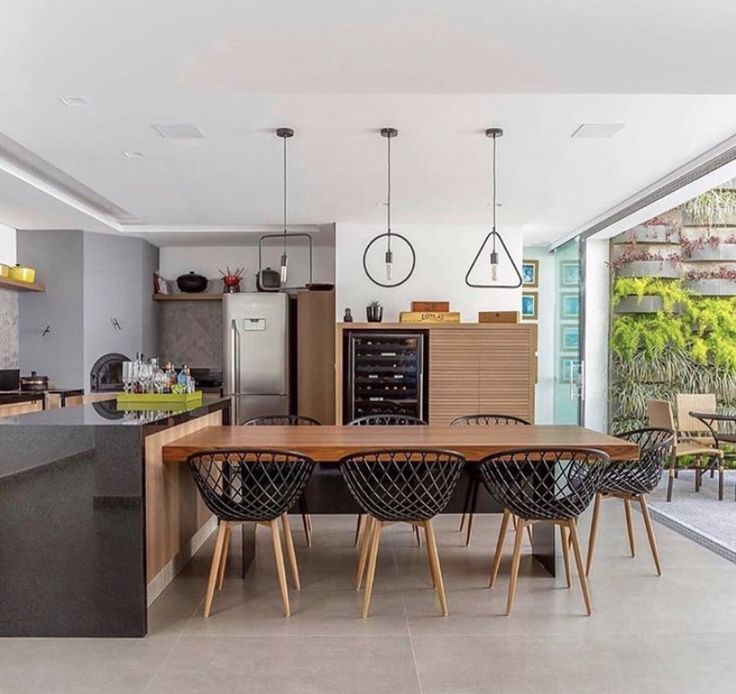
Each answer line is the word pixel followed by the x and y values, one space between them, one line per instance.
pixel 144 399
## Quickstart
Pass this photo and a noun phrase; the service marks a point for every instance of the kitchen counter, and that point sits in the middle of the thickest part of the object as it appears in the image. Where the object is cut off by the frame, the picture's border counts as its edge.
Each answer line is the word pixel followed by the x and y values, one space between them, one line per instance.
pixel 12 398
pixel 94 525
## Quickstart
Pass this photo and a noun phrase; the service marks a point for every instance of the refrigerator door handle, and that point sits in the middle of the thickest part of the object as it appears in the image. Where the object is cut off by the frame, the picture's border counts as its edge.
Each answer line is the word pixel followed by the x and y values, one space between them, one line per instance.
pixel 234 357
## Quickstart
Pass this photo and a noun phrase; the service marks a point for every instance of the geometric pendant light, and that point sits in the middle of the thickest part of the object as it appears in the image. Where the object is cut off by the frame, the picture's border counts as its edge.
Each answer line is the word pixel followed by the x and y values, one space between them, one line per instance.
pixel 285 134
pixel 493 240
pixel 390 281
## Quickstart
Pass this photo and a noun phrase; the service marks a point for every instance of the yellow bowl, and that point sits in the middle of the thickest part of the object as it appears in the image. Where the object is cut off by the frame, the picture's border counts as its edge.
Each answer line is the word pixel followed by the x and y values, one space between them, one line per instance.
pixel 4 270
pixel 23 274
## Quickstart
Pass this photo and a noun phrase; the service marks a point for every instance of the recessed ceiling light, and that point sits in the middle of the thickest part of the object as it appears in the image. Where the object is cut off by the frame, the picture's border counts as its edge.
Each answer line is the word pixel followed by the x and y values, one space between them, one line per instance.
pixel 598 130
pixel 178 131
pixel 134 155
pixel 73 101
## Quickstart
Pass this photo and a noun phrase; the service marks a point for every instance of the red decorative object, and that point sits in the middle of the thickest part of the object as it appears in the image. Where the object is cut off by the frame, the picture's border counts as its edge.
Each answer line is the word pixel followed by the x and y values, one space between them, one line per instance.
pixel 231 279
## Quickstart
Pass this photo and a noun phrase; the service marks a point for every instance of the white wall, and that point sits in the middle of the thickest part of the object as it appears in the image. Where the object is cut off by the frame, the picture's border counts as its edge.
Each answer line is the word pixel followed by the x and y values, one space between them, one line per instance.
pixel 443 255
pixel 8 249
pixel 597 293
pixel 546 310
pixel 209 260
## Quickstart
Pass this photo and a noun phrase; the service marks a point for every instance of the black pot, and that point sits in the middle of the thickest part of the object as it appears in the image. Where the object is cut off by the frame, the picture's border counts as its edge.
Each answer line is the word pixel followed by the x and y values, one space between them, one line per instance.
pixel 191 283
pixel 34 383
pixel 374 313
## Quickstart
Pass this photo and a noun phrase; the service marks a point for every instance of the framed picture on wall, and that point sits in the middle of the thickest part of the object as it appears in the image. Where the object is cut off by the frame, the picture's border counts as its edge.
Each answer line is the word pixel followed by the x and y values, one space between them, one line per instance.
pixel 529 306
pixel 570 338
pixel 570 274
pixel 569 368
pixel 530 273
pixel 570 305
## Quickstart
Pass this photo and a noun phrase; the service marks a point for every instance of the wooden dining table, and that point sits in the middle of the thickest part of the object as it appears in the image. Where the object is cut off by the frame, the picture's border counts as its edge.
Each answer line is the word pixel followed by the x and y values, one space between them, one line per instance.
pixel 326 492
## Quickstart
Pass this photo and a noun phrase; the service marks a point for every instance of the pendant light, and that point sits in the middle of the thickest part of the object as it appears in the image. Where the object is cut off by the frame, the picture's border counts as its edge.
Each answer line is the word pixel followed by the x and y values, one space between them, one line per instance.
pixel 390 236
pixel 494 237
pixel 284 134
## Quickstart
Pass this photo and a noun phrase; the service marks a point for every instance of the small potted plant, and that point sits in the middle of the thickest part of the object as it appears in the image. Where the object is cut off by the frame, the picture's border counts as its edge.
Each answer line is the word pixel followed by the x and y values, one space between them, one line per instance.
pixel 374 312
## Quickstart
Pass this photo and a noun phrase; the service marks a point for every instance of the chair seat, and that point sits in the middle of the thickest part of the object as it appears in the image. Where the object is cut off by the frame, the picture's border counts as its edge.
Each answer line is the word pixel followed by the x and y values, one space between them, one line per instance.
pixel 689 447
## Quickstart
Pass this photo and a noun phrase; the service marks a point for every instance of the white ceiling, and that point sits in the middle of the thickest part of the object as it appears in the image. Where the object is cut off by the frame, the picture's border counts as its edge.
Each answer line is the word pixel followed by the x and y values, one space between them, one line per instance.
pixel 440 72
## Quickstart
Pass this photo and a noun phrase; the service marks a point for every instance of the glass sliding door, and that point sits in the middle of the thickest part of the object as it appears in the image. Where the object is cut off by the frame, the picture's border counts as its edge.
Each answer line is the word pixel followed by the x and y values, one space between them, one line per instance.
pixel 569 333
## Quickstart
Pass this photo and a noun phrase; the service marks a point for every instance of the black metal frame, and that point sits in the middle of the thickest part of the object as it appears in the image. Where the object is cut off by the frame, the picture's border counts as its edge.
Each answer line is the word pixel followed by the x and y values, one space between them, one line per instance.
pixel 281 420
pixel 283 237
pixel 393 235
pixel 387 419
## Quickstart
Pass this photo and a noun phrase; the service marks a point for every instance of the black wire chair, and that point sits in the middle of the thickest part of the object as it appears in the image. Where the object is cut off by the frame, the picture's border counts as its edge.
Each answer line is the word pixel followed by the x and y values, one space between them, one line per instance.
pixel 412 485
pixel 474 479
pixel 281 420
pixel 384 419
pixel 250 485
pixel 543 485
pixel 632 480
pixel 289 420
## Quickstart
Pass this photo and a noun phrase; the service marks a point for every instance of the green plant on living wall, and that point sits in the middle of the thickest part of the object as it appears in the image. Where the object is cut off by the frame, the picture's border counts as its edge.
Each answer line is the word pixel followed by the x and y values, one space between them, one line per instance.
pixel 671 291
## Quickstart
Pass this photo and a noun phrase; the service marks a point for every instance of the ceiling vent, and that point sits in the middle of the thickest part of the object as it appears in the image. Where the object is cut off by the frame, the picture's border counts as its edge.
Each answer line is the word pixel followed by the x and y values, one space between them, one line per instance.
pixel 73 101
pixel 178 131
pixel 598 130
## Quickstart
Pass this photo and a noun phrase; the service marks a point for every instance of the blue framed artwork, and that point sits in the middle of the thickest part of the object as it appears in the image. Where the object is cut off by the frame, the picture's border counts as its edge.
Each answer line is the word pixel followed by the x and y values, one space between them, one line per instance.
pixel 570 305
pixel 570 338
pixel 529 306
pixel 530 273
pixel 570 274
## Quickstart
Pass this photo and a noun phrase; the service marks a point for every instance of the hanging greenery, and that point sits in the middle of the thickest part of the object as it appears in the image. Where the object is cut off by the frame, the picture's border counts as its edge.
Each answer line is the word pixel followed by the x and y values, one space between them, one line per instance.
pixel 711 208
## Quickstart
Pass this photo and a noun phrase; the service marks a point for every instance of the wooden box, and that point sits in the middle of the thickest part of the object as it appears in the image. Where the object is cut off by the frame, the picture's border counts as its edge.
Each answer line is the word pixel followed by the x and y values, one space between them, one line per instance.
pixel 429 317
pixel 430 306
pixel 498 316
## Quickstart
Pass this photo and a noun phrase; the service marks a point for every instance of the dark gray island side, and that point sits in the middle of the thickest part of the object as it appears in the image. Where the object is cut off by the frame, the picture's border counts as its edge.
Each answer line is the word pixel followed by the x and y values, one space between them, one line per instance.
pixel 92 524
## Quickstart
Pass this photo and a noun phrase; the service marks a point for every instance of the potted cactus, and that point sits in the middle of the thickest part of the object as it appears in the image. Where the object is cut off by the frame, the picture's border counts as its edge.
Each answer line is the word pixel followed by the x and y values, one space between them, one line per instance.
pixel 374 312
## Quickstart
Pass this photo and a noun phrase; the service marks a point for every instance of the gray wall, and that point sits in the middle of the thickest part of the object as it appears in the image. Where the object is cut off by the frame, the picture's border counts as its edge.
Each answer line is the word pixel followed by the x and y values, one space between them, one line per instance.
pixel 57 257
pixel 8 329
pixel 190 332
pixel 90 279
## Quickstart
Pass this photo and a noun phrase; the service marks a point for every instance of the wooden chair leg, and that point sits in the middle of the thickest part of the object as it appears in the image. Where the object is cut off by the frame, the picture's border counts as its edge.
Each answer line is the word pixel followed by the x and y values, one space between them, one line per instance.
pixel 593 532
pixel 280 568
pixel 435 561
pixel 215 567
pixel 471 512
pixel 290 553
pixel 499 547
pixel 650 533
pixel 515 561
pixel 223 557
pixel 466 505
pixel 359 527
pixel 579 562
pixel 429 556
pixel 566 554
pixel 376 528
pixel 365 546
pixel 415 526
pixel 720 481
pixel 630 526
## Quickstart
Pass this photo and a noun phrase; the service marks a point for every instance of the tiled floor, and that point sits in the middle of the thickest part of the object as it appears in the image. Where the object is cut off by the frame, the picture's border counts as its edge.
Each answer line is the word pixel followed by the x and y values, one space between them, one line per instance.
pixel 671 634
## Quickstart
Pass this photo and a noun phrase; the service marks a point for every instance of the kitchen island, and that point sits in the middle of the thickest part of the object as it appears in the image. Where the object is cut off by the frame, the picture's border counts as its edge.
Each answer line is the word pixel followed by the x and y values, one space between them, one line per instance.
pixel 93 526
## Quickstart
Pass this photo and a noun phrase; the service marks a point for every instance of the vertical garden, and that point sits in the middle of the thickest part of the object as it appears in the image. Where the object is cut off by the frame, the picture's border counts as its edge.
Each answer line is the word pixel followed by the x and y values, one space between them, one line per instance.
pixel 673 325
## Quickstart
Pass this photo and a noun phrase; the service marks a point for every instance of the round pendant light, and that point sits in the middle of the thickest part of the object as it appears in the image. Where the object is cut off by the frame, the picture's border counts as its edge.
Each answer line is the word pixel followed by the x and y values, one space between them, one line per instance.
pixel 391 238
pixel 494 240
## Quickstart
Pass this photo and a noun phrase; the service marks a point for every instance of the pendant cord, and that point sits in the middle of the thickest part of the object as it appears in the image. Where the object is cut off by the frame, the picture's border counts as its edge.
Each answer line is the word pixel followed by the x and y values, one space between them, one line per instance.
pixel 493 188
pixel 388 197
pixel 285 195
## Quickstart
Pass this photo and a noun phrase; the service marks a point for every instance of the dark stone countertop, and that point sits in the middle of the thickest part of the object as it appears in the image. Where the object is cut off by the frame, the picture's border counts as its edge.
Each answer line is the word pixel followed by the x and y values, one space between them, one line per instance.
pixel 106 413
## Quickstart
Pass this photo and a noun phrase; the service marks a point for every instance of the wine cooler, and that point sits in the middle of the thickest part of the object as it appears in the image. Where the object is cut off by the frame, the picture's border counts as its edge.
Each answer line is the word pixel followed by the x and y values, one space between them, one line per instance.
pixel 385 373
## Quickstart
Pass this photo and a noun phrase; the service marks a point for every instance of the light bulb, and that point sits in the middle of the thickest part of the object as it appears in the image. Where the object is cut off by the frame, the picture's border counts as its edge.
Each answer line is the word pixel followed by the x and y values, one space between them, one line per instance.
pixel 284 268
pixel 389 262
pixel 494 266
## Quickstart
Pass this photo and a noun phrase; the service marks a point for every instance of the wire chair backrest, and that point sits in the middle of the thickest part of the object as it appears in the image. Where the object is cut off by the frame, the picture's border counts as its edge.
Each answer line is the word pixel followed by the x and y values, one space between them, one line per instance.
pixel 407 484
pixel 290 420
pixel 489 419
pixel 640 476
pixel 250 485
pixel 387 419
pixel 544 483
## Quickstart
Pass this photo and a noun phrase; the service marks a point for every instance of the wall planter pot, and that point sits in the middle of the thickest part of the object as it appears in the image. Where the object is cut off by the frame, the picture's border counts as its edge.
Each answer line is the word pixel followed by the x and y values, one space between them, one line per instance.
pixel 649 268
pixel 725 251
pixel 712 287
pixel 659 233
pixel 647 304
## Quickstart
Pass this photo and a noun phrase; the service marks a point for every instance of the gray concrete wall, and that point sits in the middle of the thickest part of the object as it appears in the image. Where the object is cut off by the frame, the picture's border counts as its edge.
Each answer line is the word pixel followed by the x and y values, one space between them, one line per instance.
pixel 9 340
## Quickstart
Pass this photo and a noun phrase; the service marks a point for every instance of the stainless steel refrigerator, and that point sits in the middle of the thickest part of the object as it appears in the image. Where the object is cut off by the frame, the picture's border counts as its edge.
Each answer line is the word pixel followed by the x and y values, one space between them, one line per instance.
pixel 256 360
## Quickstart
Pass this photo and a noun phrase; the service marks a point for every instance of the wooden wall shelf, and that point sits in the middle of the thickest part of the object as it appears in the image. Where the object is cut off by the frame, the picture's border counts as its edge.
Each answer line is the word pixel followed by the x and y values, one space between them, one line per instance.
pixel 7 283
pixel 203 296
